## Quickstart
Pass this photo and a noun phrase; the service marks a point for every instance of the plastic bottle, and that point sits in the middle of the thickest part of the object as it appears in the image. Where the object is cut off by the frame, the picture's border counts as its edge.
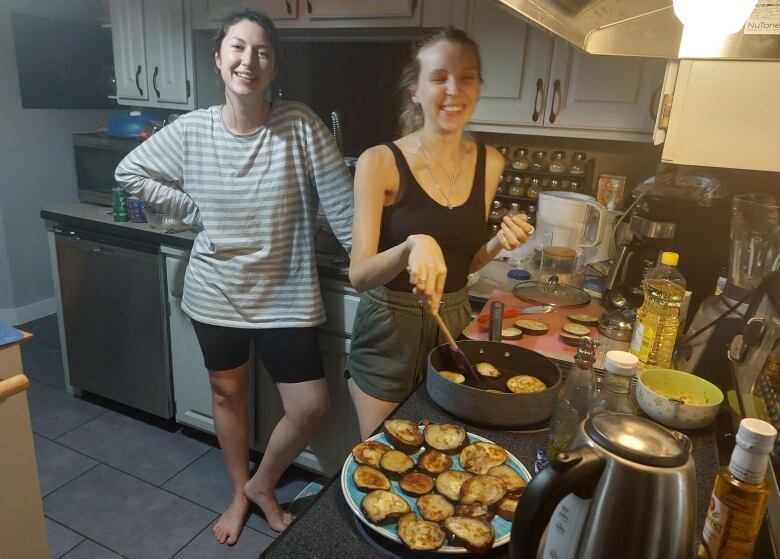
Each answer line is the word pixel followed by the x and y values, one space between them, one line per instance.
pixel 574 400
pixel 657 320
pixel 739 496
pixel 615 394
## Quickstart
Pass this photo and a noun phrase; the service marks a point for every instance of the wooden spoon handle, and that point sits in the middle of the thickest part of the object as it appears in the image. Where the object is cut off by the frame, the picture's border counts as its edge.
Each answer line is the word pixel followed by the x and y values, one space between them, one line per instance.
pixel 446 331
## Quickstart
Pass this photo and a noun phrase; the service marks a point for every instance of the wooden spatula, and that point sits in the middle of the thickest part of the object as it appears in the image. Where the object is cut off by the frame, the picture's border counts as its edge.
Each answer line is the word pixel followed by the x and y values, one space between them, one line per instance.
pixel 461 360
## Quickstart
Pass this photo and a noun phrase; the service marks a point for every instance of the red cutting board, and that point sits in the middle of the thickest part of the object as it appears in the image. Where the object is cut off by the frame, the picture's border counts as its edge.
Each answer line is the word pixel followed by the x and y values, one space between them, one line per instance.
pixel 549 344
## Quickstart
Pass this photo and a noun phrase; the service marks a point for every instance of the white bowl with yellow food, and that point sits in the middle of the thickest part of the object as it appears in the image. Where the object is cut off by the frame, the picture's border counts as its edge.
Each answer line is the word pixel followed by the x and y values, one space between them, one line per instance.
pixel 677 399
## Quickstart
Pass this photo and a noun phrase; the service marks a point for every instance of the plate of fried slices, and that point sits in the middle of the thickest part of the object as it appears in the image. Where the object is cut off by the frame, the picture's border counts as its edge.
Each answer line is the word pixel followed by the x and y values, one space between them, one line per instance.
pixel 434 487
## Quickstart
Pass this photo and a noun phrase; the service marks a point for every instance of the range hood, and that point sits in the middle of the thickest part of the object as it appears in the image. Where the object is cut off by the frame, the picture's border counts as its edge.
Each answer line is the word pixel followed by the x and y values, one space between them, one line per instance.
pixel 637 28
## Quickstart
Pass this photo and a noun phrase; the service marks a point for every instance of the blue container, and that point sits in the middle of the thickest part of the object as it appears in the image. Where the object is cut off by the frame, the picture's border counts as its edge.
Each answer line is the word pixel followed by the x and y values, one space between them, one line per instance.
pixel 129 124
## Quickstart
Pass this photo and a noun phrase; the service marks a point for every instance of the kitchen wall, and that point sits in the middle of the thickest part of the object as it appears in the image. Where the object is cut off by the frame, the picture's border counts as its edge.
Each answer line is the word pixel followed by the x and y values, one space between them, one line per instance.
pixel 36 168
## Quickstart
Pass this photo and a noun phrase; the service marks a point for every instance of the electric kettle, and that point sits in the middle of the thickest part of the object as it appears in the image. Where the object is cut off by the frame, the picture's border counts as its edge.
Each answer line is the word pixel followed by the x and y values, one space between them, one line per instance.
pixel 627 488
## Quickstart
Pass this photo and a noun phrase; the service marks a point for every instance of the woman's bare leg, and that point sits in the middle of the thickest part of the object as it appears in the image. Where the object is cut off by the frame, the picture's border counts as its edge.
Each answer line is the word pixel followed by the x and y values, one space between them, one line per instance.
pixel 305 405
pixel 228 402
pixel 371 412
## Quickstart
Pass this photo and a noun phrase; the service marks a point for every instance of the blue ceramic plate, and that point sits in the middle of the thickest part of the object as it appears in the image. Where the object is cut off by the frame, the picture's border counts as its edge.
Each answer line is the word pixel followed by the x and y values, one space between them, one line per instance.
pixel 354 496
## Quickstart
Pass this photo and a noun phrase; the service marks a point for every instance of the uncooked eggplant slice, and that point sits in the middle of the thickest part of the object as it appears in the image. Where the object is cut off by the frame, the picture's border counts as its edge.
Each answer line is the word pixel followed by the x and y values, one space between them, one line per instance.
pixel 420 535
pixel 570 339
pixel 585 319
pixel 403 434
pixel 382 506
pixel 472 533
pixel 532 327
pixel 511 334
pixel 445 437
pixel 435 507
pixel 575 329
pixel 367 478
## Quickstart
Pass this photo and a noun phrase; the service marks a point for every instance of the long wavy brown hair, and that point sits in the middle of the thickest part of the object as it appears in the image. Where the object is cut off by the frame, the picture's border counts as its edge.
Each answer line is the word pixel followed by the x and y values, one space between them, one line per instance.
pixel 411 117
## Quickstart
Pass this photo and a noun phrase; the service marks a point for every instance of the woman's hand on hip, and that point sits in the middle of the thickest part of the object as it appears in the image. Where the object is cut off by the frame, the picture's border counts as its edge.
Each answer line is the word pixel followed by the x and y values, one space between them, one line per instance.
pixel 427 270
pixel 514 231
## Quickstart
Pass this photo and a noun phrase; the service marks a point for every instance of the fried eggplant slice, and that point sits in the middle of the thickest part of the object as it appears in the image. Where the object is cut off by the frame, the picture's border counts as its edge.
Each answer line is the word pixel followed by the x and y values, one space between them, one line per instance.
pixel 474 534
pixel 382 507
pixel 479 457
pixel 506 508
pixel 420 535
pixel 369 453
pixel 515 484
pixel 445 437
pixel 525 384
pixel 416 484
pixel 403 434
pixel 457 378
pixel 448 483
pixel 435 507
pixel 487 370
pixel 433 462
pixel 368 479
pixel 476 510
pixel 396 463
pixel 484 490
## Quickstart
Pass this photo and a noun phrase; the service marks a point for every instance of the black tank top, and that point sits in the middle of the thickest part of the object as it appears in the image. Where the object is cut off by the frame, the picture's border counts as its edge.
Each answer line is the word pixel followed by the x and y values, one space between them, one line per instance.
pixel 460 231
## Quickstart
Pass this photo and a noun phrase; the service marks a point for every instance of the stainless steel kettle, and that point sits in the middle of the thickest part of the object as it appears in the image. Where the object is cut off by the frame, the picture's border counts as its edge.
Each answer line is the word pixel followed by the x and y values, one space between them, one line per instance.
pixel 627 488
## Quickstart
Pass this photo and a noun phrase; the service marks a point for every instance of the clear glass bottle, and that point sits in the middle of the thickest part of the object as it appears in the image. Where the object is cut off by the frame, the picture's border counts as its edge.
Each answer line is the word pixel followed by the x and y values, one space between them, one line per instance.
pixel 496 211
pixel 577 166
pixel 615 394
pixel 533 189
pixel 739 495
pixel 657 320
pixel 520 159
pixel 517 189
pixel 558 162
pixel 574 400
pixel 538 161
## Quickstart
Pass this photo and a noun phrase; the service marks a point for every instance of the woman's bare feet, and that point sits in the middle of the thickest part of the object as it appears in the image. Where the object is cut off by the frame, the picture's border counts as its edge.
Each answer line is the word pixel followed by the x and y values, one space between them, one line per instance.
pixel 229 526
pixel 278 519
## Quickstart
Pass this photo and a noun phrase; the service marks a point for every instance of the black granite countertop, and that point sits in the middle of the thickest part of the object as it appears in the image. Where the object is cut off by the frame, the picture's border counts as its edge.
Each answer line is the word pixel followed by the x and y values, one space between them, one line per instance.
pixel 329 529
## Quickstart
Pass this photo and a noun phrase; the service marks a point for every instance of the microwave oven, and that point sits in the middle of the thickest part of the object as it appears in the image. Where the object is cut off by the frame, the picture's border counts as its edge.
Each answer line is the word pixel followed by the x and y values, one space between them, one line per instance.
pixel 97 157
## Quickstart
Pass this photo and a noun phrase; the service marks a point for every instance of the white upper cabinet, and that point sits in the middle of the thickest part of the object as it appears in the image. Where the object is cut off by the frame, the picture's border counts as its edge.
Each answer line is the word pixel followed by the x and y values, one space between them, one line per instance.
pixel 208 14
pixel 153 53
pixel 127 36
pixel 722 113
pixel 515 64
pixel 535 84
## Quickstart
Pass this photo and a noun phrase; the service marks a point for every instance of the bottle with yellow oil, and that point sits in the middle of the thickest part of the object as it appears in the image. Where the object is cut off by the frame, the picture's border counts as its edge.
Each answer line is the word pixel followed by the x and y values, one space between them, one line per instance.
pixel 657 320
pixel 739 496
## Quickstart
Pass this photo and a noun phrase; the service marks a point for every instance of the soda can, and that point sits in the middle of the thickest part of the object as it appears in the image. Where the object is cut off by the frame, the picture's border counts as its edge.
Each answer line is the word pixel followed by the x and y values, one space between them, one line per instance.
pixel 119 198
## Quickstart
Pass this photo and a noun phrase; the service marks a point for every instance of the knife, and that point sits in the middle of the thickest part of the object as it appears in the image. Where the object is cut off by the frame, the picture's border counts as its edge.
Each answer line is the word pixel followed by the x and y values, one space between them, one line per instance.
pixel 510 313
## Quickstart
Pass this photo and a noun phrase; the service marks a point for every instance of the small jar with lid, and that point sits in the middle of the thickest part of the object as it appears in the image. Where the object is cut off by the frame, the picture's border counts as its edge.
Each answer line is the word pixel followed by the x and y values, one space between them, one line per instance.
pixel 558 162
pixel 538 161
pixel 520 159
pixel 496 211
pixel 502 185
pixel 504 151
pixel 514 209
pixel 555 184
pixel 575 186
pixel 494 229
pixel 577 163
pixel 533 189
pixel 531 213
pixel 517 189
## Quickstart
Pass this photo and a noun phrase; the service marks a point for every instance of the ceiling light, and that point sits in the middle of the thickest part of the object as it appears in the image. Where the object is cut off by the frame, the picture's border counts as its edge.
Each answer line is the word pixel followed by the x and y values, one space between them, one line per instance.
pixel 716 17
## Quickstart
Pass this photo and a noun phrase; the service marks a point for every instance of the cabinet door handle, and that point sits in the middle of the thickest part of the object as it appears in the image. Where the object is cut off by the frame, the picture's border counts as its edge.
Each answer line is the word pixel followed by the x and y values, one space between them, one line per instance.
pixel 538 100
pixel 655 99
pixel 289 7
pixel 137 78
pixel 553 109
pixel 154 81
pixel 308 7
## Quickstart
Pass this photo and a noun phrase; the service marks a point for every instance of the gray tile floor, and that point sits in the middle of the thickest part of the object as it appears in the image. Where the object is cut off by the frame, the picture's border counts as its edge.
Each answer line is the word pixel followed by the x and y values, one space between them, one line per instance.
pixel 116 485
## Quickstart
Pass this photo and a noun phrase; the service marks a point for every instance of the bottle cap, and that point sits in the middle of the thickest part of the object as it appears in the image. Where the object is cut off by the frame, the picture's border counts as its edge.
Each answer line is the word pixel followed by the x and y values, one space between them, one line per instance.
pixel 621 363
pixel 670 258
pixel 756 436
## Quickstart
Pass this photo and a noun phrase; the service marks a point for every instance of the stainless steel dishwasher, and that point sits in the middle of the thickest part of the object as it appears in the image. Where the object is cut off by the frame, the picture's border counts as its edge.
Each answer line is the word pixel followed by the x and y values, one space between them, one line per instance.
pixel 115 315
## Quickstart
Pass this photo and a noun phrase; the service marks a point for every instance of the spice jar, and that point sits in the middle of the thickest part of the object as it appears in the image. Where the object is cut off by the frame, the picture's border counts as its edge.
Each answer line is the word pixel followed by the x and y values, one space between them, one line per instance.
pixel 558 162
pixel 538 162
pixel 497 211
pixel 517 189
pixel 504 150
pixel 502 186
pixel 533 189
pixel 531 212
pixel 555 184
pixel 514 209
pixel 520 159
pixel 577 163
pixel 575 186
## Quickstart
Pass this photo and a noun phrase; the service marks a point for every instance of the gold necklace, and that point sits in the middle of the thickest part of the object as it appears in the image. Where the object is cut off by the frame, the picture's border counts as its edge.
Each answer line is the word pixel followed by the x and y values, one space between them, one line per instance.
pixel 452 178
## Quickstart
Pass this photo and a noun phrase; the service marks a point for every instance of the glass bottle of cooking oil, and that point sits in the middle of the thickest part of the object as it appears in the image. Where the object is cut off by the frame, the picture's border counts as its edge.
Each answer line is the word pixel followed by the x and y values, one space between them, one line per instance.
pixel 574 400
pixel 739 496
pixel 657 320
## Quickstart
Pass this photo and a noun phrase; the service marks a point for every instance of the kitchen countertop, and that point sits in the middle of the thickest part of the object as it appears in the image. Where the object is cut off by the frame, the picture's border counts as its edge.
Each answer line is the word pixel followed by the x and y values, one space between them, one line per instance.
pixel 330 529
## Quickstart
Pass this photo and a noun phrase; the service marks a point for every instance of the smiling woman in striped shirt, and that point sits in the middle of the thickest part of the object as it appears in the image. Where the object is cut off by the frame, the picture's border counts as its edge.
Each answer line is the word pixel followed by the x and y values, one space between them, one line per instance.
pixel 252 173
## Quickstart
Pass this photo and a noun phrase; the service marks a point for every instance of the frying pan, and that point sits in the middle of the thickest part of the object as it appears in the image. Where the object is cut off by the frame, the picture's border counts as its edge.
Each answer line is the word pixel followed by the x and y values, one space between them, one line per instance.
pixel 477 405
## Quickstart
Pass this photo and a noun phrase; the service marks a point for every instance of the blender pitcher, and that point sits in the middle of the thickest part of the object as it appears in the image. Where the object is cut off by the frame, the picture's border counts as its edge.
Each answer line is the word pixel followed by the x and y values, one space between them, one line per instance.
pixel 755 239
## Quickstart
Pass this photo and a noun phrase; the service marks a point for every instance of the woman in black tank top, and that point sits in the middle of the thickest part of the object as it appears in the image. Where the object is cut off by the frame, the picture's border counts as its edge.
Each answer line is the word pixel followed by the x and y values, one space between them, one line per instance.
pixel 421 206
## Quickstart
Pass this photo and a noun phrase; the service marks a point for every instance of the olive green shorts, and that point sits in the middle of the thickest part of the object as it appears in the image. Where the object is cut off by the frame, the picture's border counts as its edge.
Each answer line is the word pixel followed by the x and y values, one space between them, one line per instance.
pixel 392 336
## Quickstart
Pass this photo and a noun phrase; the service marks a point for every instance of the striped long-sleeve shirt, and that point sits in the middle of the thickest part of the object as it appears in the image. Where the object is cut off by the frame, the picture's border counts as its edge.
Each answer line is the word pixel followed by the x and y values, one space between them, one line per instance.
pixel 256 197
